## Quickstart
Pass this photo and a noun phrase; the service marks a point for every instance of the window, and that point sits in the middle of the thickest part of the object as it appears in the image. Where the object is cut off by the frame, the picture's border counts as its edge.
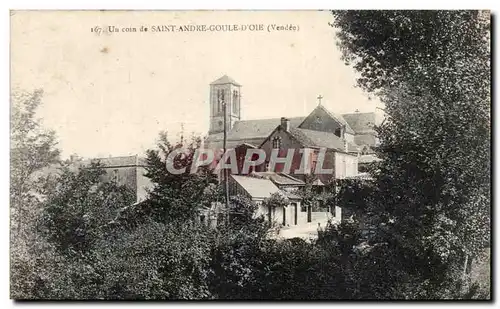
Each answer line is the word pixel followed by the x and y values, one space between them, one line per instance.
pixel 220 99
pixel 271 213
pixel 294 207
pixel 338 132
pixel 235 102
pixel 277 142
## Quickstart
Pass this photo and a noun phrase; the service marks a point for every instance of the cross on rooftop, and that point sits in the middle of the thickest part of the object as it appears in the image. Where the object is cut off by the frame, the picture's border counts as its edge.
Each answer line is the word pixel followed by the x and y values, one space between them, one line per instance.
pixel 319 99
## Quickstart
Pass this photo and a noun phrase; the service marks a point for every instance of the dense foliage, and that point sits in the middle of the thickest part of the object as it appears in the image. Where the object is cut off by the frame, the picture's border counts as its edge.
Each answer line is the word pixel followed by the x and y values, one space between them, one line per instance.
pixel 431 202
pixel 32 149
pixel 177 195
pixel 410 232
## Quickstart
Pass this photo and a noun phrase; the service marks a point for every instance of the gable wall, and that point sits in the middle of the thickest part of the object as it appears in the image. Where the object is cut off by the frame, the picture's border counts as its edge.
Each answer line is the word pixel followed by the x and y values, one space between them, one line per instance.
pixel 287 142
pixel 125 175
pixel 327 124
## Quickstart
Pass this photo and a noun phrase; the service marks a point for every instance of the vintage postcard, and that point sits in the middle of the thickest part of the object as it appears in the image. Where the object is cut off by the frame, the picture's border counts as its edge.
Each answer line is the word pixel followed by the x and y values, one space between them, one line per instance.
pixel 242 155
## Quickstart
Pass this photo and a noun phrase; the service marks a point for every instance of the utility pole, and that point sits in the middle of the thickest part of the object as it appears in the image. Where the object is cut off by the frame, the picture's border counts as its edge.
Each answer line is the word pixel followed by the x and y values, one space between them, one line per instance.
pixel 226 178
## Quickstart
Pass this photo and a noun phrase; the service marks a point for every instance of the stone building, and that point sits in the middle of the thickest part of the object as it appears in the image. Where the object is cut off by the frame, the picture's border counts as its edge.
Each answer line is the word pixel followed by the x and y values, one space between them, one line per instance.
pixel 259 189
pixel 128 171
pixel 261 185
pixel 224 89
pixel 340 155
pixel 346 137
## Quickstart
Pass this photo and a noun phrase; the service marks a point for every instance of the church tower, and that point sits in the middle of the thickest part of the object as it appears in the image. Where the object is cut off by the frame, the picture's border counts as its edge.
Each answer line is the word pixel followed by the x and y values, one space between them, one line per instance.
pixel 224 89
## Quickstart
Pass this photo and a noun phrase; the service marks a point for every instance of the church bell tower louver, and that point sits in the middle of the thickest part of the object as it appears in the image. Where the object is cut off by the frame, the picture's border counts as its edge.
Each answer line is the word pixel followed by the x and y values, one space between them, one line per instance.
pixel 224 90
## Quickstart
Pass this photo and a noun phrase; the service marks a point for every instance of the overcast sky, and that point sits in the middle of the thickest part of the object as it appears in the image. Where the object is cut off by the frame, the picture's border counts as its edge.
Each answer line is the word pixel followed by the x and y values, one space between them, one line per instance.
pixel 111 94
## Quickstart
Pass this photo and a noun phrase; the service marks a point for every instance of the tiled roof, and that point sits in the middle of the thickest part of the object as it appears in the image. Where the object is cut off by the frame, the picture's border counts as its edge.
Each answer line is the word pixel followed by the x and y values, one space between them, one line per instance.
pixel 219 144
pixel 279 178
pixel 360 122
pixel 256 187
pixel 225 80
pixel 215 136
pixel 312 138
pixel 259 128
pixel 253 129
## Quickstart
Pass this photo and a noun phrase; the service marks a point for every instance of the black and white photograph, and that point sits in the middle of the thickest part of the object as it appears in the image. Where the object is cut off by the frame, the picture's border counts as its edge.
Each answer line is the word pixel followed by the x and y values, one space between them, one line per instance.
pixel 242 155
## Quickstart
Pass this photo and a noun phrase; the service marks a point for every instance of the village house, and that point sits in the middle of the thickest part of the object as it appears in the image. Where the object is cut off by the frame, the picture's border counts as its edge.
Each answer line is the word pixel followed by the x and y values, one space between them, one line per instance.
pixel 260 186
pixel 344 141
pixel 337 155
pixel 344 137
pixel 331 143
pixel 321 212
pixel 259 189
pixel 127 170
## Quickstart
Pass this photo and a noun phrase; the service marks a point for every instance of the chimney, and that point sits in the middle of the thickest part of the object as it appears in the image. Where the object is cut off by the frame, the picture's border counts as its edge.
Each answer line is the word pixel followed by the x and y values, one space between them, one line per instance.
pixel 285 124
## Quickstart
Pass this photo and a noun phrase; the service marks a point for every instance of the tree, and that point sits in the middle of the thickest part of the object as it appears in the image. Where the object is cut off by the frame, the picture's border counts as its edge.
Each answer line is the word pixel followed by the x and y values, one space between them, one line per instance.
pixel 79 205
pixel 153 261
pixel 234 251
pixel 32 154
pixel 177 196
pixel 431 69
pixel 32 149
pixel 105 256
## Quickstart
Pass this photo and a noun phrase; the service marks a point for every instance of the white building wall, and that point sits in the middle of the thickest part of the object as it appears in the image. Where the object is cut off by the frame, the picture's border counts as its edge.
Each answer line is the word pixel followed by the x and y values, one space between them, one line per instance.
pixel 346 165
pixel 349 137
pixel 278 214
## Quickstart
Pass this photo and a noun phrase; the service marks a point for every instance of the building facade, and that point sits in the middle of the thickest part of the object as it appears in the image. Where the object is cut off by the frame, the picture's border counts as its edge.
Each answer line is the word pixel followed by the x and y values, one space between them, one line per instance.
pixel 345 137
pixel 128 171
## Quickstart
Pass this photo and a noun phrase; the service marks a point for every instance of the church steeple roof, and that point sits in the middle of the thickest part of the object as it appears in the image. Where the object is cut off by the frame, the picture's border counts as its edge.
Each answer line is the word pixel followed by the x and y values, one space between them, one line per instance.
pixel 225 80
